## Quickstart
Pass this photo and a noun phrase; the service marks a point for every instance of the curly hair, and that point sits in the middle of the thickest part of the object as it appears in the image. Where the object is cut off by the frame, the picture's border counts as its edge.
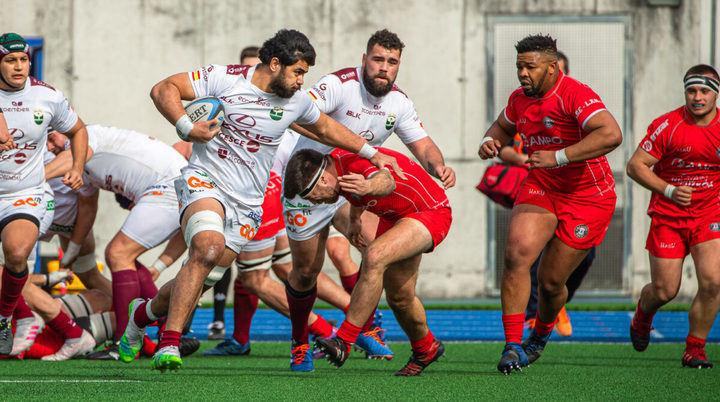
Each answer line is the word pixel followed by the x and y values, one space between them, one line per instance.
pixel 386 39
pixel 537 43
pixel 289 46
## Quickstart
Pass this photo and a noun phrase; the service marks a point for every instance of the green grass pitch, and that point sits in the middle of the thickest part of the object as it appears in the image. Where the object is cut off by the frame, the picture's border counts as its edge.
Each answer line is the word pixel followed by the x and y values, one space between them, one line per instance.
pixel 567 371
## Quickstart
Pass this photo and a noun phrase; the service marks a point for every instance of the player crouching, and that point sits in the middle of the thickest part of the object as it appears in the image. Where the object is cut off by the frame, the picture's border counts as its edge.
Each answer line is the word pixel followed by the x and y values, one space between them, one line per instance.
pixel 415 217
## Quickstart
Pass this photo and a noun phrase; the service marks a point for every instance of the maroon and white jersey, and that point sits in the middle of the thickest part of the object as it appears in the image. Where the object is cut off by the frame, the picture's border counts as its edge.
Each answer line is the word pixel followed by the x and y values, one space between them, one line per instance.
pixel 418 193
pixel 342 96
pixel 28 114
pixel 688 155
pixel 239 158
pixel 129 163
pixel 557 121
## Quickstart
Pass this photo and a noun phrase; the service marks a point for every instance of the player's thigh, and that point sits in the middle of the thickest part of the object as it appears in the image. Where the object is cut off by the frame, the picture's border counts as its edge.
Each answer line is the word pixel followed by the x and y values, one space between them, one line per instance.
pixel 706 256
pixel 370 221
pixel 309 254
pixel 18 238
pixel 153 220
pixel 558 261
pixel 400 278
pixel 254 265
pixel 666 273
pixel 406 238
pixel 531 227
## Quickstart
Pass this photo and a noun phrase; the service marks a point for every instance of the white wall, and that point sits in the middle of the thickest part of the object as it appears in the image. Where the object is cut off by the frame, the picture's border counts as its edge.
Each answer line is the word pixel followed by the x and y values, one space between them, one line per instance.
pixel 106 55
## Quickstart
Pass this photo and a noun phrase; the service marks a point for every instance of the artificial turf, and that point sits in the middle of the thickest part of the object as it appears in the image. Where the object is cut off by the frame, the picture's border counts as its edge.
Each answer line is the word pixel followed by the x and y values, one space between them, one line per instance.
pixel 566 371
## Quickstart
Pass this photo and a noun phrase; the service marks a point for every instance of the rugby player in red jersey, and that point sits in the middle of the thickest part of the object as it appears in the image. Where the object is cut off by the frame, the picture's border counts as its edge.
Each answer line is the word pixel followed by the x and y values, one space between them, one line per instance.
pixel 565 205
pixel 679 161
pixel 415 217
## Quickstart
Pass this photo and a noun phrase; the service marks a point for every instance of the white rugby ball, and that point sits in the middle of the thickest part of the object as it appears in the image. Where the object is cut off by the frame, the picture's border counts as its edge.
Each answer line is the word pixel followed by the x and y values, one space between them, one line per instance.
pixel 205 109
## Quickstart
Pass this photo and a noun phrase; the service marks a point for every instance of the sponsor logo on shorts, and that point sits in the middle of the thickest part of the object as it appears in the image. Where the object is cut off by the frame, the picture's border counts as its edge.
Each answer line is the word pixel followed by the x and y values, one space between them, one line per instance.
pixel 300 205
pixel 536 191
pixel 390 122
pixel 298 220
pixel 33 202
pixel 61 228
pixel 667 245
pixel 581 231
pixel 38 116
pixel 276 113
pixel 255 216
pixel 194 182
pixel 50 206
pixel 715 227
pixel 647 146
pixel 247 231
pixel 548 122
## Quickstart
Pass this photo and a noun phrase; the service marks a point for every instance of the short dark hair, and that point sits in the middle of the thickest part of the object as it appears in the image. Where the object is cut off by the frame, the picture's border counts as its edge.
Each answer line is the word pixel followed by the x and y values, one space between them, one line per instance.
pixel 300 171
pixel 386 39
pixel 289 46
pixel 250 51
pixel 701 69
pixel 561 56
pixel 537 43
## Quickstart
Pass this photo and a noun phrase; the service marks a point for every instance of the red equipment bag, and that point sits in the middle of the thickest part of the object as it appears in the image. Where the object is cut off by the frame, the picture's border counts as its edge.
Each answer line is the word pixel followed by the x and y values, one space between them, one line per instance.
pixel 501 183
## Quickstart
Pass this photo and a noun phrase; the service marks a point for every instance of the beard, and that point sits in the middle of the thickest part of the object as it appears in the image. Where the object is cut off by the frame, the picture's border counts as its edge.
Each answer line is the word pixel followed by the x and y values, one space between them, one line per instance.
pixel 374 88
pixel 535 91
pixel 278 87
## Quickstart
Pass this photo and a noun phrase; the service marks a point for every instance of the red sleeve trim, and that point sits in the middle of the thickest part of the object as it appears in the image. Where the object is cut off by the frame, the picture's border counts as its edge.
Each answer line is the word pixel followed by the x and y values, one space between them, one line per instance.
pixel 347 74
pixel 237 69
pixel 36 82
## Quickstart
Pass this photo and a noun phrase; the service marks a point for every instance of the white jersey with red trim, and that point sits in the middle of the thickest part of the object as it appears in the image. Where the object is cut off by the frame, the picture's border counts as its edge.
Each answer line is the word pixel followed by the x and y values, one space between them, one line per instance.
pixel 285 149
pixel 28 114
pixel 342 96
pixel 127 162
pixel 239 158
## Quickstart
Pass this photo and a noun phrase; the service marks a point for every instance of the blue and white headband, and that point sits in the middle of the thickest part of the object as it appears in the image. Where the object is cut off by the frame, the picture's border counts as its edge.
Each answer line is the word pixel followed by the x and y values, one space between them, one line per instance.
pixel 703 81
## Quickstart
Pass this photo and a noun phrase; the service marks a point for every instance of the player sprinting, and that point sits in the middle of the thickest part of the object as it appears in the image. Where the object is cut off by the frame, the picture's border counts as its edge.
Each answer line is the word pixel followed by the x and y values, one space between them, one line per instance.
pixel 142 169
pixel 365 100
pixel 221 190
pixel 415 217
pixel 29 107
pixel 565 205
pixel 679 161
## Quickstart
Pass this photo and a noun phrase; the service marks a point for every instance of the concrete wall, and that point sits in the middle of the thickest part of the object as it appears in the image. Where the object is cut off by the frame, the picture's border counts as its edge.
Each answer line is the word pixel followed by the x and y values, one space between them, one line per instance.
pixel 106 56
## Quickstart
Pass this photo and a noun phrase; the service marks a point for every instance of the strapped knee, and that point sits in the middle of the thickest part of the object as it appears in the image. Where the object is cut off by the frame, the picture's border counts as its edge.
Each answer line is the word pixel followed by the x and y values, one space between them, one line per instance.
pixel 254 265
pixel 282 256
pixel 77 305
pixel 202 221
pixel 215 275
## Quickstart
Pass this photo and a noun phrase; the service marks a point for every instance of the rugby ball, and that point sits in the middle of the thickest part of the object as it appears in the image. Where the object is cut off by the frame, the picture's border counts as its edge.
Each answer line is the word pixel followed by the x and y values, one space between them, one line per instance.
pixel 204 109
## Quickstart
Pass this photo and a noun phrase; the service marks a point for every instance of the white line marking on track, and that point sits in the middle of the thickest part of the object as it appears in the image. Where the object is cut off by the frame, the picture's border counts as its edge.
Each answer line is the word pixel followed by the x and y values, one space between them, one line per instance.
pixel 51 381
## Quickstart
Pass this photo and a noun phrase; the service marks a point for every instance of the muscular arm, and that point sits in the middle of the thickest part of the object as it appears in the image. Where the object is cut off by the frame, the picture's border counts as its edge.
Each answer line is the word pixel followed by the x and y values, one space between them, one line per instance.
pixel 501 132
pixel 378 185
pixel 429 155
pixel 78 145
pixel 639 169
pixel 329 132
pixel 603 136
pixel 167 95
pixel 86 212
pixel 63 163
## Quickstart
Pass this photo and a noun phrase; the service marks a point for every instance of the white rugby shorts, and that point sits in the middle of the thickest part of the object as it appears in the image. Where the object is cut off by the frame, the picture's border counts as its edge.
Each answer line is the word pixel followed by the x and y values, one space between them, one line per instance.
pixel 303 219
pixel 155 217
pixel 26 204
pixel 241 222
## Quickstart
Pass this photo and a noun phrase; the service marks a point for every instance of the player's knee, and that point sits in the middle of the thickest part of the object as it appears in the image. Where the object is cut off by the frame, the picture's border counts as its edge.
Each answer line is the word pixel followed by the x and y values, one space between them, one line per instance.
pixel 709 289
pixel 114 255
pixel 665 293
pixel 374 261
pixel 204 233
pixel 16 258
pixel 516 258
pixel 400 302
pixel 550 286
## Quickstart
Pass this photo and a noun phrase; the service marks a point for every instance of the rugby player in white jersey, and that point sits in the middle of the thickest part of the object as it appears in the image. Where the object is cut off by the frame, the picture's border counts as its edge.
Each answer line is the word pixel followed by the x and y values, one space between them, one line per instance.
pixel 29 106
pixel 142 169
pixel 366 101
pixel 221 190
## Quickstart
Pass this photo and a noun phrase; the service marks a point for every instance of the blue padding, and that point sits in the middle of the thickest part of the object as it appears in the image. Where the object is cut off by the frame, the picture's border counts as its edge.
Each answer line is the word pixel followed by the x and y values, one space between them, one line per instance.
pixel 456 325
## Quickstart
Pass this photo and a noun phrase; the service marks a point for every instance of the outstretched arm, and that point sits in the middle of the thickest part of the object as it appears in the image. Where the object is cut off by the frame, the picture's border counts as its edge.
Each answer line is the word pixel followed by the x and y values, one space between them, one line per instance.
pixel 429 155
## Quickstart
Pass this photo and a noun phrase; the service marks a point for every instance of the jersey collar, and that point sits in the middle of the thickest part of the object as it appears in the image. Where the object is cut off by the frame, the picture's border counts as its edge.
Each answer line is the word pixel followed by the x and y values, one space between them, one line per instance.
pixel 691 121
pixel 20 92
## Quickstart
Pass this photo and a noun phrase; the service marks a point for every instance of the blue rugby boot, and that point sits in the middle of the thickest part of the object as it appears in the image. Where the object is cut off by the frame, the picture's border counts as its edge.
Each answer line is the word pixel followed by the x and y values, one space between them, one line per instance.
pixel 513 358
pixel 229 347
pixel 534 345
pixel 301 358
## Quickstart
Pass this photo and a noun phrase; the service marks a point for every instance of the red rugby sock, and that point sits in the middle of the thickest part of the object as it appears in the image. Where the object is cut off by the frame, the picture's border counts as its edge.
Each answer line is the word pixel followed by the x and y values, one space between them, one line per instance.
pixel 63 324
pixel 148 290
pixel 22 310
pixel 641 318
pixel 513 327
pixel 349 281
pixel 125 288
pixel 244 307
pixel 10 290
pixel 348 333
pixel 422 346
pixel 170 338
pixel 321 327
pixel 692 342
pixel 543 328
pixel 300 304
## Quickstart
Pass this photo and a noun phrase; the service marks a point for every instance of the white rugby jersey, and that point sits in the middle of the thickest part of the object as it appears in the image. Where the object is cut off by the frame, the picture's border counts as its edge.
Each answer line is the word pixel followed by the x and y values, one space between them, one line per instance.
pixel 239 158
pixel 342 96
pixel 127 162
pixel 28 114
pixel 64 197
pixel 282 156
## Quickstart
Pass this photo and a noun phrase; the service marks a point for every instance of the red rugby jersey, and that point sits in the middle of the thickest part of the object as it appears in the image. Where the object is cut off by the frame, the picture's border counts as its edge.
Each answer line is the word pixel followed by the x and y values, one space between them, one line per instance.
pixel 689 155
pixel 555 122
pixel 272 220
pixel 418 193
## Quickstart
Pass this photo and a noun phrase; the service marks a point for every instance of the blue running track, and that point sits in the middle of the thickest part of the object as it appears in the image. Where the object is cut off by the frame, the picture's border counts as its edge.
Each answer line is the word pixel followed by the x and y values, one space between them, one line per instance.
pixel 475 325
